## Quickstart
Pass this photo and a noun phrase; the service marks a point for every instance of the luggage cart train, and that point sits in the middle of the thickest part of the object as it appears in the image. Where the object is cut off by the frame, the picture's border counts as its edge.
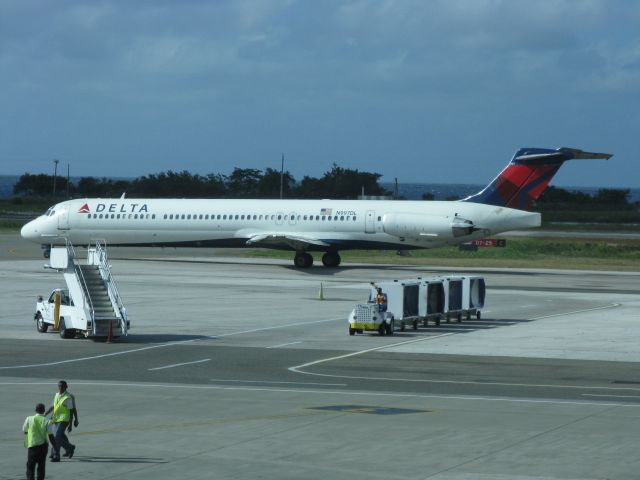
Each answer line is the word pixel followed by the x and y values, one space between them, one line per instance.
pixel 416 302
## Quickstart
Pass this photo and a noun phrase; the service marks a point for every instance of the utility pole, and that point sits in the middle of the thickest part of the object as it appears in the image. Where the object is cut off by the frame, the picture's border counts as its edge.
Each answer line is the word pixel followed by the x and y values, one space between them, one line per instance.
pixel 281 176
pixel 55 175
pixel 68 197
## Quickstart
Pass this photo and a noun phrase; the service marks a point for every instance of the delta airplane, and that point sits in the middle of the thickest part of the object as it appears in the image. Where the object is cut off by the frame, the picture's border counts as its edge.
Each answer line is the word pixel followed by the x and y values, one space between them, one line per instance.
pixel 310 225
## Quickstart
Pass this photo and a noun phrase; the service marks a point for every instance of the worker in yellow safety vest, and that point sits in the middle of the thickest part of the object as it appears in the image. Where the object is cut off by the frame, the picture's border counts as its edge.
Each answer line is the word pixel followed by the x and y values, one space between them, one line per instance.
pixel 35 429
pixel 381 300
pixel 64 411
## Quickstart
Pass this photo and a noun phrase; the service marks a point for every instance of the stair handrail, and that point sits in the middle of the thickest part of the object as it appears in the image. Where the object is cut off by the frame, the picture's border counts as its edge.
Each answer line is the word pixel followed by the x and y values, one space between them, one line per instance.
pixel 86 298
pixel 111 284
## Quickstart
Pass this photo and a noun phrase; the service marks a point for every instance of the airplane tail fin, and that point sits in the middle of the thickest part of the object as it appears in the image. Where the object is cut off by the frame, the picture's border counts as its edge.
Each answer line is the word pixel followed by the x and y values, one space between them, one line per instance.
pixel 531 169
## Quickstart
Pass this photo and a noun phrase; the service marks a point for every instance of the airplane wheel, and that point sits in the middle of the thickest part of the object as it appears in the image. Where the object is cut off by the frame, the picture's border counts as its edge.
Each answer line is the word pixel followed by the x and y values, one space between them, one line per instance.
pixel 331 259
pixel 308 259
pixel 40 323
pixel 303 260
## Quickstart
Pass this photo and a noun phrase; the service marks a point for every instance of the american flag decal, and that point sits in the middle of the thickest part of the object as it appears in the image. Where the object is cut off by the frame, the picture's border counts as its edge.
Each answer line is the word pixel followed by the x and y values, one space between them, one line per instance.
pixel 325 211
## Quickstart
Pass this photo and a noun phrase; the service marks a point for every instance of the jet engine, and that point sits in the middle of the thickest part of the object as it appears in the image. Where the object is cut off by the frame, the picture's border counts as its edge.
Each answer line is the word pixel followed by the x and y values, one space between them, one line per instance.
pixel 412 225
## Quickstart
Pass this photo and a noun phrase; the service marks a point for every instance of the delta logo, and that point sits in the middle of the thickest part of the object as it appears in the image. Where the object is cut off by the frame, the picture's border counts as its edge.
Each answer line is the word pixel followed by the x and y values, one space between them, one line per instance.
pixel 84 209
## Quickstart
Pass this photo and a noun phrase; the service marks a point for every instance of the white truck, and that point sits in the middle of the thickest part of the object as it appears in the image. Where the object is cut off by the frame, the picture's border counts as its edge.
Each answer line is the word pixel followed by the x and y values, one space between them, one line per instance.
pixel 68 315
pixel 90 306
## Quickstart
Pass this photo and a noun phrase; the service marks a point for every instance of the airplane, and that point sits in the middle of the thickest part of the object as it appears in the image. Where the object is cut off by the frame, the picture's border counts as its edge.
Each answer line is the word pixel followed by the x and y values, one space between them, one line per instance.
pixel 306 226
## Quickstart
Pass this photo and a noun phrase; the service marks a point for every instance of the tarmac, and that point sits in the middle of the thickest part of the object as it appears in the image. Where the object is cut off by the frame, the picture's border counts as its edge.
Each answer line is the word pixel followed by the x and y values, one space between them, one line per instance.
pixel 235 369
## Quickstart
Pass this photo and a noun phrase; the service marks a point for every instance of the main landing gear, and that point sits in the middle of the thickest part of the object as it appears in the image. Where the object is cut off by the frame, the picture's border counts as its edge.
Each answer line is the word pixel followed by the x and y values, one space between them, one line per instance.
pixel 305 260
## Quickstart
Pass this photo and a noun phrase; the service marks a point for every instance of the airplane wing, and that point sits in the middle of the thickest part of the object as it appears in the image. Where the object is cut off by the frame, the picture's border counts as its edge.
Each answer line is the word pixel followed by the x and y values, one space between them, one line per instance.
pixel 295 241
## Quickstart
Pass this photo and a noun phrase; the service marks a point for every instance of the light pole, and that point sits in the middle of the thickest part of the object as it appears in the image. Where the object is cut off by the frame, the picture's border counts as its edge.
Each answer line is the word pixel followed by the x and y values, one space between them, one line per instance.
pixel 55 174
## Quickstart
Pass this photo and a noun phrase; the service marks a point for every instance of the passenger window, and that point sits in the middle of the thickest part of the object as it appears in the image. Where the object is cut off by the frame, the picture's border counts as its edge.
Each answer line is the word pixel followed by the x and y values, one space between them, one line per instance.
pixel 354 218
pixel 279 217
pixel 237 217
pixel 241 217
pixel 272 217
pixel 113 215
pixel 255 217
pixel 100 216
pixel 379 218
pixel 206 217
pixel 341 218
pixel 218 217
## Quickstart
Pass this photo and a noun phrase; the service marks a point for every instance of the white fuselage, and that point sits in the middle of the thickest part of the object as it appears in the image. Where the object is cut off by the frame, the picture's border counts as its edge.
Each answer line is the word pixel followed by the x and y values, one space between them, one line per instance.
pixel 292 224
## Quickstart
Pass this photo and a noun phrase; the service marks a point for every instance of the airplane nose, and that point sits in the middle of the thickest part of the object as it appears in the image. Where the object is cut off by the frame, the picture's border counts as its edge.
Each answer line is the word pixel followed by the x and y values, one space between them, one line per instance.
pixel 30 231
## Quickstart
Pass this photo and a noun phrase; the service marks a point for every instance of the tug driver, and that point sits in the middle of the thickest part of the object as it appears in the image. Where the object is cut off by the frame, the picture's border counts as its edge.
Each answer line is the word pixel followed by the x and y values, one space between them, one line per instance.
pixel 381 300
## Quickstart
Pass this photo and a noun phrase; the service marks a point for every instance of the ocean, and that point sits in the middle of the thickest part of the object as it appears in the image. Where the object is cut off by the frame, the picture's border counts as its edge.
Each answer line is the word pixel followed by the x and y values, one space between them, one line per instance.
pixel 409 191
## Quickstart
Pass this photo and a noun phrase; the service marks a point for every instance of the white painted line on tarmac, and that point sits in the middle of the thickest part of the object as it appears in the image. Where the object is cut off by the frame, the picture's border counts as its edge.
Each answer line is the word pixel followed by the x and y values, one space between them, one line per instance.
pixel 71 360
pixel 171 344
pixel 335 392
pixel 594 309
pixel 180 364
pixel 610 396
pixel 360 352
pixel 277 383
pixel 284 344
pixel 275 327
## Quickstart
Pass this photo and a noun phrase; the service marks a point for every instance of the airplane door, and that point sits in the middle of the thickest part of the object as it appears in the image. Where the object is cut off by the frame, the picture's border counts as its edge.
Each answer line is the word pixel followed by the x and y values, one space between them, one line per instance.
pixel 63 218
pixel 369 222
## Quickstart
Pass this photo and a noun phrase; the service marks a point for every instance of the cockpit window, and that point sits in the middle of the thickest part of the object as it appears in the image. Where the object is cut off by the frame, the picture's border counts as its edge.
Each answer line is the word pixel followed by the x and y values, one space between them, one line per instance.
pixel 49 212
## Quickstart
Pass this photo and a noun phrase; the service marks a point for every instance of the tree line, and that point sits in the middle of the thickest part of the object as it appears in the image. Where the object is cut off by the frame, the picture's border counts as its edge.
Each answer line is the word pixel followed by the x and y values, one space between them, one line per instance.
pixel 338 182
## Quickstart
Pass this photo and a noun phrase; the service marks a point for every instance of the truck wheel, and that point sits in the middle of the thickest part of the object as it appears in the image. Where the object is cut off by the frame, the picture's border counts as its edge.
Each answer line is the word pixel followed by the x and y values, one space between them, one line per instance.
pixel 459 318
pixel 351 331
pixel 437 321
pixel 390 327
pixel 415 324
pixel 41 326
pixel 64 331
pixel 478 315
pixel 402 326
pixel 381 329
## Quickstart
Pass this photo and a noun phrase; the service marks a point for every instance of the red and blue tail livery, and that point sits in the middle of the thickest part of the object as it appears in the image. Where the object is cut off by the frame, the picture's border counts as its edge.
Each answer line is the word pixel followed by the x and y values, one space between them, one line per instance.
pixel 522 182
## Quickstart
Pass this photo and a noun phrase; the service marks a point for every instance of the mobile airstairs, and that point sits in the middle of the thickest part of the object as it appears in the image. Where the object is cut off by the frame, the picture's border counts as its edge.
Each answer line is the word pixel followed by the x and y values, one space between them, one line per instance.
pixel 93 307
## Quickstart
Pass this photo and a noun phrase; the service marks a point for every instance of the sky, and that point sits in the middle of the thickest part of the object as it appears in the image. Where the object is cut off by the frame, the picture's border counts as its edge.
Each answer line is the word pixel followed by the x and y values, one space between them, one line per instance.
pixel 439 91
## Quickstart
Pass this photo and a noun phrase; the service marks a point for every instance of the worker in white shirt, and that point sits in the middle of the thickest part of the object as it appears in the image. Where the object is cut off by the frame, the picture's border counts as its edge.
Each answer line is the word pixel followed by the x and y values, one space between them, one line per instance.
pixel 64 411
